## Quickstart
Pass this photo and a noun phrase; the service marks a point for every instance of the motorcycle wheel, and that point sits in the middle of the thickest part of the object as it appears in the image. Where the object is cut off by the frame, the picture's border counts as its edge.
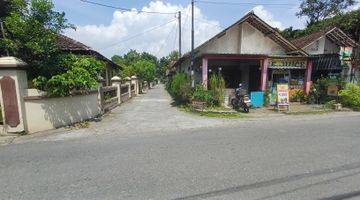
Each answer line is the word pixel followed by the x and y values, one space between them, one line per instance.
pixel 246 109
pixel 234 103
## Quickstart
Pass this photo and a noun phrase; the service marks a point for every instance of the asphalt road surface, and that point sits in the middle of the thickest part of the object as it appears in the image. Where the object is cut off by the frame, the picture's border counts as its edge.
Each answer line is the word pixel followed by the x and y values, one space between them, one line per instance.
pixel 157 157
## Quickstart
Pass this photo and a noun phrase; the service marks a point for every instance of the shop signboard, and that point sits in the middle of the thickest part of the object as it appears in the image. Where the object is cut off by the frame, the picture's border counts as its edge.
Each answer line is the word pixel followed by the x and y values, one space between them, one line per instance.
pixel 287 63
pixel 282 95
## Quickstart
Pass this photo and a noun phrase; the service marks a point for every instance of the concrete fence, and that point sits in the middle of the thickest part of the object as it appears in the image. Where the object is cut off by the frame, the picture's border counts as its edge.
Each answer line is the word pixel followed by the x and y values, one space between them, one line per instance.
pixel 30 110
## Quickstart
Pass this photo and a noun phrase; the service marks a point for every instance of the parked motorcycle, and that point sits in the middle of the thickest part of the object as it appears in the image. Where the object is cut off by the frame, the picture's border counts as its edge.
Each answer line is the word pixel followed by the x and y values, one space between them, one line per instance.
pixel 241 100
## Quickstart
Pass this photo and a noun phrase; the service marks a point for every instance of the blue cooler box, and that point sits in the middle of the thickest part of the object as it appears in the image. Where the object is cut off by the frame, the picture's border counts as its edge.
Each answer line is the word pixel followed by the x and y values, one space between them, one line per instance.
pixel 257 99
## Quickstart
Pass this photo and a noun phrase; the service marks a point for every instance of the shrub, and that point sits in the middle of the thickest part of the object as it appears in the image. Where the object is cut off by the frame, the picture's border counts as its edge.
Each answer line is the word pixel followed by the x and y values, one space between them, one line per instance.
pixel 298 96
pixel 267 97
pixel 200 94
pixel 320 87
pixel 217 89
pixel 82 75
pixel 350 96
pixel 330 104
pixel 180 88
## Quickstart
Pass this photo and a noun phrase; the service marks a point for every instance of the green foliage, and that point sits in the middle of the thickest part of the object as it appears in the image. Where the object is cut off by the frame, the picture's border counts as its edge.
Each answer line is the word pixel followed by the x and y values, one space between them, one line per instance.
pixel 180 88
pixel 200 94
pixel 145 70
pixel 133 63
pixel 319 89
pixel 330 104
pixel 298 96
pixel 350 96
pixel 348 22
pixel 82 75
pixel 31 29
pixel 267 97
pixel 164 64
pixel 317 10
pixel 217 88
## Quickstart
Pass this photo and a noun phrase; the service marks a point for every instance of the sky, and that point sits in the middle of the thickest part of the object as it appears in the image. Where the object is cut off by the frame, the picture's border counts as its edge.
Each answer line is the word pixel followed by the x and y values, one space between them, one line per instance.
pixel 112 31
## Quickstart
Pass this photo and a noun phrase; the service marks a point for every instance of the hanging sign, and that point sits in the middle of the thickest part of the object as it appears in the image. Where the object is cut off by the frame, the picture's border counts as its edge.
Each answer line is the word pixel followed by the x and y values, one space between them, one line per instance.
pixel 287 63
pixel 282 94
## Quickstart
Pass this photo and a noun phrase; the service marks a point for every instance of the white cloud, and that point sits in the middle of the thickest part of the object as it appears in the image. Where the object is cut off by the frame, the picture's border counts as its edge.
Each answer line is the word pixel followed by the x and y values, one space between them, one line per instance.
pixel 267 16
pixel 355 7
pixel 110 39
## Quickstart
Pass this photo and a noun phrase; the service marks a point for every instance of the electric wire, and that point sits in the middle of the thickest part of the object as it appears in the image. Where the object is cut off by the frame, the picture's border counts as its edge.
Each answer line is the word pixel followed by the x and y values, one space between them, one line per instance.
pixel 125 9
pixel 139 34
pixel 244 3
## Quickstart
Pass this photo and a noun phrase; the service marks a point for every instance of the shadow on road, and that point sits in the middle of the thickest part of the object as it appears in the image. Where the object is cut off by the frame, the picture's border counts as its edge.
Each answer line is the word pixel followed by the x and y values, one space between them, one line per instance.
pixel 286 179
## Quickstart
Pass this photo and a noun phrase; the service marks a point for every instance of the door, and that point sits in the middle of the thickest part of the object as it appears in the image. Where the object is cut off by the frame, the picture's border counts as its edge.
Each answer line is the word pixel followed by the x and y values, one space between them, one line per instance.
pixel 10 101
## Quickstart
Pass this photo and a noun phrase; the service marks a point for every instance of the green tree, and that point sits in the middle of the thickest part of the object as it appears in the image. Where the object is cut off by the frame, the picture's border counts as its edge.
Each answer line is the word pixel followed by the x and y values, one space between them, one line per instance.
pixel 145 70
pixel 149 57
pixel 165 62
pixel 31 29
pixel 317 10
pixel 131 57
pixel 348 22
pixel 291 33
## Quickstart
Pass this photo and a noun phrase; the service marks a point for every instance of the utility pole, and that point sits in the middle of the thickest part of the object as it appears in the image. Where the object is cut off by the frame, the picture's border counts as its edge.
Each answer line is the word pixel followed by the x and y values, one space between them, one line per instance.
pixel 179 17
pixel 192 45
pixel 3 35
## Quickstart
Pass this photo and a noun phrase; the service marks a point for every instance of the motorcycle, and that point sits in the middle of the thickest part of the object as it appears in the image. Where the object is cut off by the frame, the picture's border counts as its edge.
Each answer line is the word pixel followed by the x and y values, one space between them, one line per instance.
pixel 241 100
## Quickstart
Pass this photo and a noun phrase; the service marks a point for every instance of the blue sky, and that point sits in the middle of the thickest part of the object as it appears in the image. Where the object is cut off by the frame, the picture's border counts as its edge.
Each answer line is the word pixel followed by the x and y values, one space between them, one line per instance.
pixel 113 32
pixel 81 13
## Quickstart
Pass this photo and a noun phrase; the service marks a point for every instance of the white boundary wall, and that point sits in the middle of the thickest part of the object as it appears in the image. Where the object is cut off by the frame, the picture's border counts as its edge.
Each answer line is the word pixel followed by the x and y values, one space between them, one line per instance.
pixel 50 113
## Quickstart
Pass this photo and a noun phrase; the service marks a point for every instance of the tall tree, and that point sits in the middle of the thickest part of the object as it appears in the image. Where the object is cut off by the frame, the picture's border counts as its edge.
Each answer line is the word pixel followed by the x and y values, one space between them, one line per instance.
pixel 165 62
pixel 32 28
pixel 316 10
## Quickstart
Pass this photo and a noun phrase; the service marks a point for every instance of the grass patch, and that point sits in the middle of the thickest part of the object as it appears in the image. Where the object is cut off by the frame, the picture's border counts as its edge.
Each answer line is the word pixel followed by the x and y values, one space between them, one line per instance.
pixel 313 112
pixel 216 112
pixel 222 115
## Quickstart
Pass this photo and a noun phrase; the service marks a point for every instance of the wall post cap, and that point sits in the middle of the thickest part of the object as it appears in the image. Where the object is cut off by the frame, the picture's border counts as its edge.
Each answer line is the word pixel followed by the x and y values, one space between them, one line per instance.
pixel 10 62
pixel 115 79
pixel 127 78
pixel 134 77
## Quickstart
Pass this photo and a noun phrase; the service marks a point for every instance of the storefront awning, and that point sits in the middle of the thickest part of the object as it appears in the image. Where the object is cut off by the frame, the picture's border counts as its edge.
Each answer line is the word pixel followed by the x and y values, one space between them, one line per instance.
pixel 326 62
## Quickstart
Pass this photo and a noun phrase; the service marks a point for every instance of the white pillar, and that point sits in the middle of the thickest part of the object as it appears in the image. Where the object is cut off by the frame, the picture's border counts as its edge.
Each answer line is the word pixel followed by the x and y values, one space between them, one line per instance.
pixel 128 82
pixel 116 81
pixel 13 83
pixel 135 81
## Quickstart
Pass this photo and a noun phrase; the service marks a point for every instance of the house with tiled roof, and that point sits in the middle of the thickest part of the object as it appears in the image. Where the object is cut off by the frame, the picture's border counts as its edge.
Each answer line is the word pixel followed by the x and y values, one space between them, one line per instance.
pixel 331 50
pixel 70 45
pixel 250 52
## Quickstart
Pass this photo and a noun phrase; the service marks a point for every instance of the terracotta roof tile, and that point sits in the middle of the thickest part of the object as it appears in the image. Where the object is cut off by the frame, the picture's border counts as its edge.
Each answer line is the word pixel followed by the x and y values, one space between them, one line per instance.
pixel 69 44
pixel 334 33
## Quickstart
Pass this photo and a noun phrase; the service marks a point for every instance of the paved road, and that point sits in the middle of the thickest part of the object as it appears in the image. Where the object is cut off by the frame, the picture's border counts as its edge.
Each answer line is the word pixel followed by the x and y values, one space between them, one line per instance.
pixel 173 155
